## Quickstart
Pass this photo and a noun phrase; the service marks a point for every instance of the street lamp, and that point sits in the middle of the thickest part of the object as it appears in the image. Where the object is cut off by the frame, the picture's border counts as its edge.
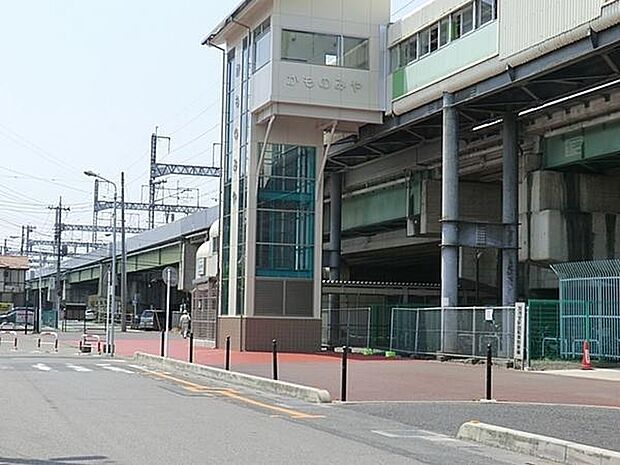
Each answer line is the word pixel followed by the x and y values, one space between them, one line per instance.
pixel 110 326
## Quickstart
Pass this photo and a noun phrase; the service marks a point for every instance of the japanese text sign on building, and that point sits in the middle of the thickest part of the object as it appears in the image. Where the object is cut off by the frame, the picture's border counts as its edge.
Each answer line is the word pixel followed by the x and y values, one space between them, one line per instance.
pixel 324 83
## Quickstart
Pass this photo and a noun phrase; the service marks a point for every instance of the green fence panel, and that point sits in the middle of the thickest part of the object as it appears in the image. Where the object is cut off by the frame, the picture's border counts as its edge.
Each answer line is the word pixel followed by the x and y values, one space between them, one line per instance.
pixel 544 333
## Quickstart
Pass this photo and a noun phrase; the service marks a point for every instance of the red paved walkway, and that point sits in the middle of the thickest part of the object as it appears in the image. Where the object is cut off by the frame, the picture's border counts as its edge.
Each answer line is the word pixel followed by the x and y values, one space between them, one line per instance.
pixel 398 379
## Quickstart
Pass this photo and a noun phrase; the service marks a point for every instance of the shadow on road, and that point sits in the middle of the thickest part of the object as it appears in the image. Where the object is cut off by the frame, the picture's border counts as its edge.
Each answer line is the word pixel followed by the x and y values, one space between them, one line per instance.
pixel 78 460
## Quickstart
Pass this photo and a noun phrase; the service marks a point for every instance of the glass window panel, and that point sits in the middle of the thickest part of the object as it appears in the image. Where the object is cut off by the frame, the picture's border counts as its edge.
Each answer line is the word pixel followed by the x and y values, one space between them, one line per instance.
pixel 245 59
pixel 262 50
pixel 356 53
pixel 306 47
pixel 224 298
pixel 456 20
pixel 285 217
pixel 444 31
pixel 434 38
pixel 485 10
pixel 468 19
pixel 297 46
pixel 412 49
pixel 424 39
pixel 404 54
pixel 325 50
pixel 395 58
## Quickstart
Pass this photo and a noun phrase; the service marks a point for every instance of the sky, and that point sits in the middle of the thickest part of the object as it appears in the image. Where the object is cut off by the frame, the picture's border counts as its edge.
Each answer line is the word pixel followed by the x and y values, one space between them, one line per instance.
pixel 84 84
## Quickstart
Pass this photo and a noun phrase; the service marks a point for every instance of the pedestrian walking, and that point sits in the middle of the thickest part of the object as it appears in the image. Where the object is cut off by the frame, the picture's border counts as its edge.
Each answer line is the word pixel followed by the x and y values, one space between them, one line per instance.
pixel 185 321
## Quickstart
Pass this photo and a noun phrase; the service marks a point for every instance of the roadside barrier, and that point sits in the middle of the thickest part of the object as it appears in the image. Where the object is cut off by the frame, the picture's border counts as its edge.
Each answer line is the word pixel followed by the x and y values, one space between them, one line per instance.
pixel 227 353
pixel 40 342
pixel 88 342
pixel 275 359
pixel 12 333
pixel 343 382
pixel 489 373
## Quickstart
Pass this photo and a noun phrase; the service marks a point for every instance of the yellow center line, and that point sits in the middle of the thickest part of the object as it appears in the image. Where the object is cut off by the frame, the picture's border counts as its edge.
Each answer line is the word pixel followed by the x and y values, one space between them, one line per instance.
pixel 286 411
pixel 195 387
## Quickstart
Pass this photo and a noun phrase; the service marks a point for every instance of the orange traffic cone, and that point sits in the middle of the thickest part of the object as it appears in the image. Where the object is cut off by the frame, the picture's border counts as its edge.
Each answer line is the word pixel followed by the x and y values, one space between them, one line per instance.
pixel 585 359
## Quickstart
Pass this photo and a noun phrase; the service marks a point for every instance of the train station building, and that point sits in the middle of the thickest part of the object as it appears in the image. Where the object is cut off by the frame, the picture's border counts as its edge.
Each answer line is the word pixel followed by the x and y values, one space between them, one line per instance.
pixel 446 158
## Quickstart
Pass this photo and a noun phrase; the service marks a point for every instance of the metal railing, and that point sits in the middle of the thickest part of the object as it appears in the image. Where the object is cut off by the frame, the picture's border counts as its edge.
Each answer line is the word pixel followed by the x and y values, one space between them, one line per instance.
pixel 346 326
pixel 590 308
pixel 462 331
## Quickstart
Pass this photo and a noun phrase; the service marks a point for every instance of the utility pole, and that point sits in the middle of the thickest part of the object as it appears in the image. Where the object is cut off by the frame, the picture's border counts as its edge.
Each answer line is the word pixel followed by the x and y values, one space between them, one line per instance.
pixel 95 211
pixel 123 259
pixel 58 246
pixel 21 247
pixel 152 180
pixel 28 245
pixel 40 309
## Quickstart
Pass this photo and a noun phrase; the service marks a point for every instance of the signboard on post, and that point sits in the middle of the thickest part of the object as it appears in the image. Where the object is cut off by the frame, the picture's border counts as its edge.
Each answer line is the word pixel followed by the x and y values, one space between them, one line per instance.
pixel 520 328
pixel 170 276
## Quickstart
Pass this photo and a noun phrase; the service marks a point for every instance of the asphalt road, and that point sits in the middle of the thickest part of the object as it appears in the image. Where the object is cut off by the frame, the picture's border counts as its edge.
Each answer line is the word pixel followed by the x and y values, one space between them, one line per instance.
pixel 594 426
pixel 71 410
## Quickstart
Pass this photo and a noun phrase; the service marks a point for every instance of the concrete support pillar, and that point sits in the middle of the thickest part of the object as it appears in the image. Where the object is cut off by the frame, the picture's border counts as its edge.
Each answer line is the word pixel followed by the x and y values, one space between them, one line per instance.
pixel 449 225
pixel 510 193
pixel 510 212
pixel 335 223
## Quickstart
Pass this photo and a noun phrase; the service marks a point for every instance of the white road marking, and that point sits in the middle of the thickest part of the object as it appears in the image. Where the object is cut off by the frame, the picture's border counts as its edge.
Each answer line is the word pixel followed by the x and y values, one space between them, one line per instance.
pixel 107 366
pixel 42 367
pixel 137 367
pixel 415 434
pixel 78 368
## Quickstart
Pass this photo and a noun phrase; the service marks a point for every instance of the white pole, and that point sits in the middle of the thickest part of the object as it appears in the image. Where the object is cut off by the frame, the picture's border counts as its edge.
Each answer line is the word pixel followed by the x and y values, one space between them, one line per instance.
pixel 113 273
pixel 167 313
pixel 107 313
pixel 40 311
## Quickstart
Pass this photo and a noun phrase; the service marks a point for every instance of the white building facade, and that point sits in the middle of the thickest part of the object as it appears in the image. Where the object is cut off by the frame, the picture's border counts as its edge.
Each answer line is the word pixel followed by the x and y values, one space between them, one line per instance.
pixel 297 72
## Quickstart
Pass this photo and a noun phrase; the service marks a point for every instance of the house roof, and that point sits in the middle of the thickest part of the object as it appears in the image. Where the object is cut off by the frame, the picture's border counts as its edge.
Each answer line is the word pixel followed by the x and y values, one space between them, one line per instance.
pixel 14 262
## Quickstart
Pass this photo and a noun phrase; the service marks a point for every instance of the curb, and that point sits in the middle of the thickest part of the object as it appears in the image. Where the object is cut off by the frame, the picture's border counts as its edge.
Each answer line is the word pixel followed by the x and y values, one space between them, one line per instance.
pixel 309 394
pixel 545 447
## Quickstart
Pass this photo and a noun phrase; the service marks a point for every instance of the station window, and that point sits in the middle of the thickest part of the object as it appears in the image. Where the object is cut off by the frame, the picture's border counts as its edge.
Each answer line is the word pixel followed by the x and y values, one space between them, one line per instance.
pixel 325 49
pixel 424 42
pixel 355 53
pixel 434 37
pixel 486 11
pixel 262 44
pixel 472 15
pixel 444 31
pixel 395 61
pixel 462 21
pixel 285 212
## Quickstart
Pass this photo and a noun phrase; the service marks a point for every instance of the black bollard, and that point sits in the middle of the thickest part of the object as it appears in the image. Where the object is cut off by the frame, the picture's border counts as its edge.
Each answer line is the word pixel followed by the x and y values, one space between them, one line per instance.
pixel 227 353
pixel 489 372
pixel 275 359
pixel 343 384
pixel 163 335
pixel 191 347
